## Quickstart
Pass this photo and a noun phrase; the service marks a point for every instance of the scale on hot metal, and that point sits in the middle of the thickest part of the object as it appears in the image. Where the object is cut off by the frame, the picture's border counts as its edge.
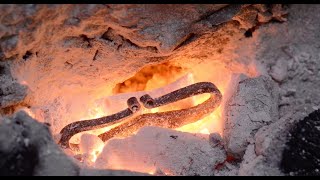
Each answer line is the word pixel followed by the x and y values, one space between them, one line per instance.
pixel 139 110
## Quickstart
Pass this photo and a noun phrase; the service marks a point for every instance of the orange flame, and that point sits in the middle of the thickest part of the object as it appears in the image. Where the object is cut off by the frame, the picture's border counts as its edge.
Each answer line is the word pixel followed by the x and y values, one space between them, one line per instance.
pixel 210 124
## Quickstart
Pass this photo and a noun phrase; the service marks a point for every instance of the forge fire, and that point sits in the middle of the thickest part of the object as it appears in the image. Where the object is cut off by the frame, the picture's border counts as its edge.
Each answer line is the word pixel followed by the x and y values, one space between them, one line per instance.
pixel 160 90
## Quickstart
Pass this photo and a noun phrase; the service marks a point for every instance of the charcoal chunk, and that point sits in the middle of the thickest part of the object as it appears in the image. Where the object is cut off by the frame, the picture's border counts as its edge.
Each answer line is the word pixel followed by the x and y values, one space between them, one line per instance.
pixel 302 153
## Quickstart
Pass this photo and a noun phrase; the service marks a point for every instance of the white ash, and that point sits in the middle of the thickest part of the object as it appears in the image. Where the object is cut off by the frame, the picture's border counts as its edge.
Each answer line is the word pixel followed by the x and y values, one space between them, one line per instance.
pixel 172 152
pixel 90 143
pixel 263 156
pixel 252 106
pixel 90 146
pixel 251 161
pixel 114 104
pixel 292 48
pixel 11 91
pixel 295 41
pixel 279 71
pixel 86 50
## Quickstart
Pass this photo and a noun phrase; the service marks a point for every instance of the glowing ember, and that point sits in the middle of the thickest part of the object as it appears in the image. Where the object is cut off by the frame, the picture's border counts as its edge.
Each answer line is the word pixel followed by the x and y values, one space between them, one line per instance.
pixel 24 83
pixel 212 123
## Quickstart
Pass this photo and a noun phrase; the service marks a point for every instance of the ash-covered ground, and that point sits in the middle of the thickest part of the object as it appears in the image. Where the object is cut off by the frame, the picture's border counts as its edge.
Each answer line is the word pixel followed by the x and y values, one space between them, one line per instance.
pixel 289 53
pixel 286 50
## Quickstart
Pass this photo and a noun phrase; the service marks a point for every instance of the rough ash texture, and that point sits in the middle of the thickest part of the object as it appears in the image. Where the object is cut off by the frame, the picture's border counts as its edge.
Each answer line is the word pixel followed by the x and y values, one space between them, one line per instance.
pixel 170 151
pixel 74 40
pixel 263 154
pixel 253 105
pixel 289 52
pixel 11 91
pixel 87 49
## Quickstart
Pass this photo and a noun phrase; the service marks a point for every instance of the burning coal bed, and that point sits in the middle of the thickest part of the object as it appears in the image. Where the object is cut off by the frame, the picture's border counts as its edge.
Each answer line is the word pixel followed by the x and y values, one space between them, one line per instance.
pixel 207 90
pixel 143 130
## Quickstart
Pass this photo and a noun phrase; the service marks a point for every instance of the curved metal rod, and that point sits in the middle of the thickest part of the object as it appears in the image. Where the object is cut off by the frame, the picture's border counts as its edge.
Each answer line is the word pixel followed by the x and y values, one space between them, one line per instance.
pixel 177 95
pixel 79 126
pixel 170 119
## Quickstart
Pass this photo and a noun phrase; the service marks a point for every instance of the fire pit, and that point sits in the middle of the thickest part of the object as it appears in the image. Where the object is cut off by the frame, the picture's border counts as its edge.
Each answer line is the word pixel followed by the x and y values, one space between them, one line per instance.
pixel 158 89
